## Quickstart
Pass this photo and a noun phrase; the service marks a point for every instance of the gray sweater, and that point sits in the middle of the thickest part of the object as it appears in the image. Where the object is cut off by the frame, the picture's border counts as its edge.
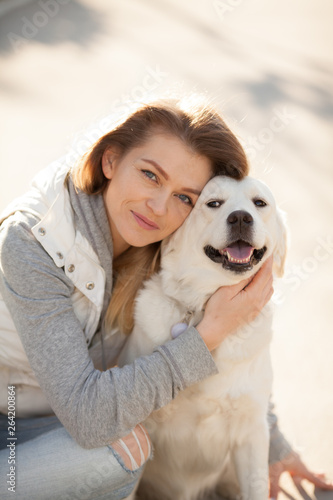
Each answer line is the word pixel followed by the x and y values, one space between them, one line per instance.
pixel 95 407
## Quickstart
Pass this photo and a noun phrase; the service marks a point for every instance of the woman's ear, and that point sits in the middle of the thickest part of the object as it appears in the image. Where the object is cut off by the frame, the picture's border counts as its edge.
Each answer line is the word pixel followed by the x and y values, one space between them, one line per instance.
pixel 108 162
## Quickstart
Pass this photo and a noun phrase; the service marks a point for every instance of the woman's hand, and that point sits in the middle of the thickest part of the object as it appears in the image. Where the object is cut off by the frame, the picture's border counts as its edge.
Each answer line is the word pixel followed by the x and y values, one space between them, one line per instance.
pixel 135 448
pixel 233 306
pixel 293 464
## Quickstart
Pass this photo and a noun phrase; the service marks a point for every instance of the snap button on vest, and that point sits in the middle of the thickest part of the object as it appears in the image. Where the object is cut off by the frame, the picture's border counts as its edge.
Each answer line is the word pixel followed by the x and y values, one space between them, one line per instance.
pixel 42 231
pixel 71 268
pixel 90 285
pixel 59 254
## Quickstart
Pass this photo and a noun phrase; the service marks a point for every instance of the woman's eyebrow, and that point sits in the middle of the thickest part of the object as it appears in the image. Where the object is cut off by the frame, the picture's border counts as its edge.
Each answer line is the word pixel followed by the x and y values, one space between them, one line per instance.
pixel 190 190
pixel 166 177
pixel 158 167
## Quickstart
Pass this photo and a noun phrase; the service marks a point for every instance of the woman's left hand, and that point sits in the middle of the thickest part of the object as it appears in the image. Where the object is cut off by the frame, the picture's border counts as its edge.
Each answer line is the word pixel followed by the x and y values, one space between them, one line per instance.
pixel 293 464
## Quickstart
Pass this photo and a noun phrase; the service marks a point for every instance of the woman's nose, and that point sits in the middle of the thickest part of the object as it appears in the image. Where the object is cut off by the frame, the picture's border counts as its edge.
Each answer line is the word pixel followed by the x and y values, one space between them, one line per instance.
pixel 158 204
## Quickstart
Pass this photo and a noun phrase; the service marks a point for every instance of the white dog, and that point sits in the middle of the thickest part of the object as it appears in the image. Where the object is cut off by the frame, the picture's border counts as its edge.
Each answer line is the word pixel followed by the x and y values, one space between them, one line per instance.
pixel 214 436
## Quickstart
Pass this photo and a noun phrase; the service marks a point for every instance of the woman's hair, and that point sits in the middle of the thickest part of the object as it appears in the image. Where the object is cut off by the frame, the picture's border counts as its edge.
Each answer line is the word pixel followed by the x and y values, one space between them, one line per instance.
pixel 203 131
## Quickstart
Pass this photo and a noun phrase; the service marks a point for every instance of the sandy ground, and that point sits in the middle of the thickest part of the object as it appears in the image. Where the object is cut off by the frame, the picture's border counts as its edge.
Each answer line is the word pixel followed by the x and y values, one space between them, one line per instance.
pixel 268 66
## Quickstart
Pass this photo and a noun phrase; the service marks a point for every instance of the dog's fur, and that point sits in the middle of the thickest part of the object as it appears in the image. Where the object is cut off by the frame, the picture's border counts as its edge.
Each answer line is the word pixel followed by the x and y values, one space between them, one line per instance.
pixel 214 435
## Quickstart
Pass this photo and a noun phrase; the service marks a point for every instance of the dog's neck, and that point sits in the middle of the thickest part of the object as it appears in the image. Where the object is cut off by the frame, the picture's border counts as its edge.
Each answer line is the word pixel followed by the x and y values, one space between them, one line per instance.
pixel 191 294
pixel 191 288
pixel 191 283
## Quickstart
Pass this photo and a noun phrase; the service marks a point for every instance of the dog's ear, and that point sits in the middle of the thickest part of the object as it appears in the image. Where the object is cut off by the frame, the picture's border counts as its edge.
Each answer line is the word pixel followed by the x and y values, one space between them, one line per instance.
pixel 280 251
pixel 168 244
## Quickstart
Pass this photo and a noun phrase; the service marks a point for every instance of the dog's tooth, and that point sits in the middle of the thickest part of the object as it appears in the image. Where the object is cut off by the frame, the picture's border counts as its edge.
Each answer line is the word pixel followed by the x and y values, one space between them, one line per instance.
pixel 237 261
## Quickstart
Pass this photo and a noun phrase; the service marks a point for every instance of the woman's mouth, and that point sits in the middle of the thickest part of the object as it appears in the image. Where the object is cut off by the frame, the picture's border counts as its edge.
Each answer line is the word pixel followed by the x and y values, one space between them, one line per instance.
pixel 144 222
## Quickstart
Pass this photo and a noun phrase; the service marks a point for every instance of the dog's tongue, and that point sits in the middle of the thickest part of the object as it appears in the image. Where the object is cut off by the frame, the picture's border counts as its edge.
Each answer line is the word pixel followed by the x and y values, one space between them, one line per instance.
pixel 239 250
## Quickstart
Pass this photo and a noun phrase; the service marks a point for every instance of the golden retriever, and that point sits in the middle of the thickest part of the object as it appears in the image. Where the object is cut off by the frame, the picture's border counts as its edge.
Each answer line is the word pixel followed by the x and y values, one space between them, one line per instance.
pixel 214 436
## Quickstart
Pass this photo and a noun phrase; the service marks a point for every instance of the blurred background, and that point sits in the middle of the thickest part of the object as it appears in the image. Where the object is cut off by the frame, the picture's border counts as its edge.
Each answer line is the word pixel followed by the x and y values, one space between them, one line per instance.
pixel 65 65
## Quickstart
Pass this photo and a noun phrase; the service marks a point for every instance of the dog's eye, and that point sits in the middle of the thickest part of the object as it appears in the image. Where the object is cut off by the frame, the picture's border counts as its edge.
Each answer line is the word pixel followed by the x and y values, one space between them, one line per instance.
pixel 259 203
pixel 214 203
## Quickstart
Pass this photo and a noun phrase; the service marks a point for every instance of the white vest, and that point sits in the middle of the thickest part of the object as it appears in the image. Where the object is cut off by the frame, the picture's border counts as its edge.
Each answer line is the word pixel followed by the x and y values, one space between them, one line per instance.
pixel 49 201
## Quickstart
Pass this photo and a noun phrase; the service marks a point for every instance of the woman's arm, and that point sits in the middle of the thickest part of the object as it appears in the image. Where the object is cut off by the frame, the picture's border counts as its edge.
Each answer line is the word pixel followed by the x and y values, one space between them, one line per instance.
pixel 279 447
pixel 282 458
pixel 95 407
pixel 98 407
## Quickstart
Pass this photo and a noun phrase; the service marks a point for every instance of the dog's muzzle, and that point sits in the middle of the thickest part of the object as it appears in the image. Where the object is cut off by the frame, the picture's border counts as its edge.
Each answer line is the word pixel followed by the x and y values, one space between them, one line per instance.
pixel 239 255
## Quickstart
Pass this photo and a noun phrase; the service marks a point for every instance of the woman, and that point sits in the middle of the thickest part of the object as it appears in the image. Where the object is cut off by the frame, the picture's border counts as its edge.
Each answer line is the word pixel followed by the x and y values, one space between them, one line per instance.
pixel 74 239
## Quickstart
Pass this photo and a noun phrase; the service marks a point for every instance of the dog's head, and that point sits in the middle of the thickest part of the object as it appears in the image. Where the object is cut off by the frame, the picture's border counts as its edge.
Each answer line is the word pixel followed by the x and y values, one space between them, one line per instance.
pixel 233 228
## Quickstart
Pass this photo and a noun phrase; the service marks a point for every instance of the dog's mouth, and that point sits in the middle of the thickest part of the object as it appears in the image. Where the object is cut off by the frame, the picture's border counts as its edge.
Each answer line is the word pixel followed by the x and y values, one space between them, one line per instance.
pixel 240 256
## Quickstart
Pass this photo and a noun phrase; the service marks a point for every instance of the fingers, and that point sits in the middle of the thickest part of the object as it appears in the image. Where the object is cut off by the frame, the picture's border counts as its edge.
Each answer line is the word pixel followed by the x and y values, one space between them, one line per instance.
pixel 319 480
pixel 233 290
pixel 267 291
pixel 259 281
pixel 259 291
pixel 231 307
pixel 323 483
pixel 275 472
pixel 298 471
pixel 263 277
pixel 135 448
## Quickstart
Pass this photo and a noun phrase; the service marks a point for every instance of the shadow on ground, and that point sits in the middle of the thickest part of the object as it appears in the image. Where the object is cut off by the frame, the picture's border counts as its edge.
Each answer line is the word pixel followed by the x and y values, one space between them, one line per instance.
pixel 52 25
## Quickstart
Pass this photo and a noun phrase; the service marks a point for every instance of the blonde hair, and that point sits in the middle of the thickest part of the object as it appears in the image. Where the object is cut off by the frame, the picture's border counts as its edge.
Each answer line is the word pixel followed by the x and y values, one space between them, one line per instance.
pixel 204 132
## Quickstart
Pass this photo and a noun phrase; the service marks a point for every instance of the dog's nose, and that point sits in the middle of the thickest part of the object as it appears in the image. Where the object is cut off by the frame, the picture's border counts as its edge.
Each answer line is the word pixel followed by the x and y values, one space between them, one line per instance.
pixel 240 217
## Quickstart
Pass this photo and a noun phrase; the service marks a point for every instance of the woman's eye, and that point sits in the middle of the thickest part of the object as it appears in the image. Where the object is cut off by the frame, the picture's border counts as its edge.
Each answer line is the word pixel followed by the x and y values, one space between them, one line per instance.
pixel 150 175
pixel 259 203
pixel 185 199
pixel 214 203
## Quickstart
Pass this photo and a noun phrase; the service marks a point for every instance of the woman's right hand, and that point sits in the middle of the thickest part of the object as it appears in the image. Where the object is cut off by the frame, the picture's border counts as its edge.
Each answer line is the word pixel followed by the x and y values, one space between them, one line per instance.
pixel 233 306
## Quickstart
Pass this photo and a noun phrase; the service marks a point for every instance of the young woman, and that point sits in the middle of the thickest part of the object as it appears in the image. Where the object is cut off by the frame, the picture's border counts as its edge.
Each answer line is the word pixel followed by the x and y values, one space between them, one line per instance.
pixel 74 240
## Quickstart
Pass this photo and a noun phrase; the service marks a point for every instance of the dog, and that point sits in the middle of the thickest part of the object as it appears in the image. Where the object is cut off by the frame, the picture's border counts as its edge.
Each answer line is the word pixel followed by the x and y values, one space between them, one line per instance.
pixel 214 436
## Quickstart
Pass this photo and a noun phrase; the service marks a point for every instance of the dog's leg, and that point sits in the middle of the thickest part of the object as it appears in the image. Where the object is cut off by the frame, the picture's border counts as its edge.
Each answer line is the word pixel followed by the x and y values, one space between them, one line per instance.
pixel 251 461
pixel 228 486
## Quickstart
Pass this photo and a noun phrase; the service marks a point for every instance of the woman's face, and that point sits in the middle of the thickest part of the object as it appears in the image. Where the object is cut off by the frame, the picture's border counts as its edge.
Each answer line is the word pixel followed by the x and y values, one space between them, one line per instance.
pixel 151 190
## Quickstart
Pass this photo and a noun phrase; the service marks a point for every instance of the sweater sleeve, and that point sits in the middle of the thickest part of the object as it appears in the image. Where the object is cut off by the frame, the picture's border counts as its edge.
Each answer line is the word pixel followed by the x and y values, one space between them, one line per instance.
pixel 95 407
pixel 279 447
